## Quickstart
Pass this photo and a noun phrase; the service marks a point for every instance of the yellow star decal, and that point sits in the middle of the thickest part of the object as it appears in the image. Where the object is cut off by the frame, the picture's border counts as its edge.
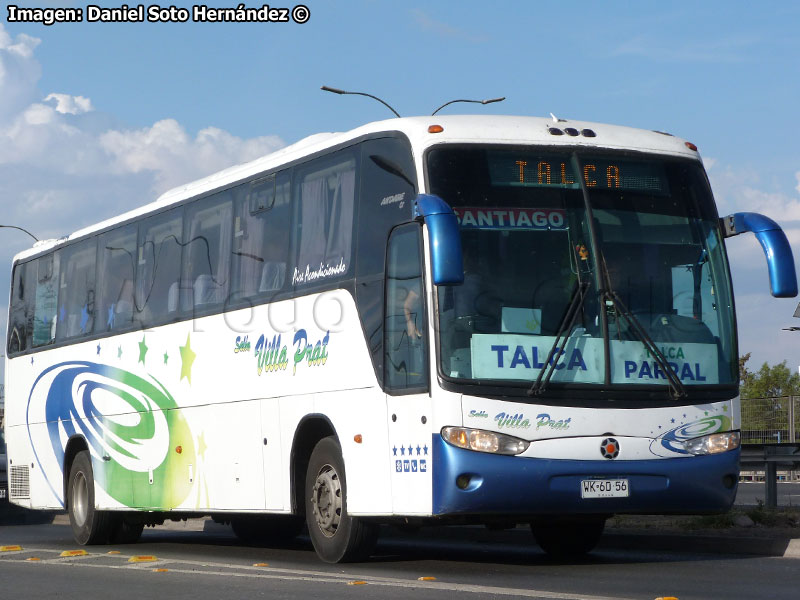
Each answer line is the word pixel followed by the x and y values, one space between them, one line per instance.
pixel 187 358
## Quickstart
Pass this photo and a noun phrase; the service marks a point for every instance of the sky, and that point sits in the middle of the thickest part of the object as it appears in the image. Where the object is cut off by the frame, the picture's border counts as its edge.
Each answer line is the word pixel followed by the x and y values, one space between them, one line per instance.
pixel 98 118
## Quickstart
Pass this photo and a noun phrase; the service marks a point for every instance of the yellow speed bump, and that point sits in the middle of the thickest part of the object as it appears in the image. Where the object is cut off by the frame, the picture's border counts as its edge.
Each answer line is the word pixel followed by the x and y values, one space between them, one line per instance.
pixel 113 552
pixel 10 548
pixel 142 558
pixel 426 578
pixel 71 553
pixel 33 558
pixel 160 570
pixel 260 564
pixel 666 598
pixel 357 582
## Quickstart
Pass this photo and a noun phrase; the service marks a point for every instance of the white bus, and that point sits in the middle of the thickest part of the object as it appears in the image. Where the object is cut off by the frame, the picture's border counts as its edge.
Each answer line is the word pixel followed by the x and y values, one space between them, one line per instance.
pixel 441 320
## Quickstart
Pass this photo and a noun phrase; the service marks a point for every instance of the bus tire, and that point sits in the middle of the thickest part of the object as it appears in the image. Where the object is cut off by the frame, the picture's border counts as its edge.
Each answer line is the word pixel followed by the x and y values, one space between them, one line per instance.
pixel 336 536
pixel 564 538
pixel 89 526
pixel 267 529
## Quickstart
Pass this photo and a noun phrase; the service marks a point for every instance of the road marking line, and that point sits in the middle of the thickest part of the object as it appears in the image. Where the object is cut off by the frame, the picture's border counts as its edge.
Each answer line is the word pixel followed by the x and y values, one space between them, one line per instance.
pixel 323 577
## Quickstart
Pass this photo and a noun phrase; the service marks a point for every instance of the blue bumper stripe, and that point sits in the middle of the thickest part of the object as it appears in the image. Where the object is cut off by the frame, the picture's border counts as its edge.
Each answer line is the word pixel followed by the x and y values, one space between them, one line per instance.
pixel 533 486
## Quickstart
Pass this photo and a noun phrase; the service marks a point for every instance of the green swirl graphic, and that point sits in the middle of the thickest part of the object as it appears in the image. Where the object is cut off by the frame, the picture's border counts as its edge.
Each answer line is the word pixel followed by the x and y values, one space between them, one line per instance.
pixel 145 441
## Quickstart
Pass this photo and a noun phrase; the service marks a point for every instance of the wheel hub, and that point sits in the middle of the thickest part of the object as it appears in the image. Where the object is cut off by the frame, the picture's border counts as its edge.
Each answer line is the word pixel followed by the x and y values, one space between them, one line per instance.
pixel 80 499
pixel 326 500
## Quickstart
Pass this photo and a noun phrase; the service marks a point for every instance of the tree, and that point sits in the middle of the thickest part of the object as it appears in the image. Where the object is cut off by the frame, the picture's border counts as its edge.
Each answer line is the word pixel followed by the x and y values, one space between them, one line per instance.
pixel 765 408
pixel 769 381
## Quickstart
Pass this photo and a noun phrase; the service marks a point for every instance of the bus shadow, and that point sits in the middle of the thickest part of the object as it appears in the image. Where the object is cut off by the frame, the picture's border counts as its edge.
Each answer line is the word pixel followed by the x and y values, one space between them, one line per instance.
pixel 453 544
pixel 517 547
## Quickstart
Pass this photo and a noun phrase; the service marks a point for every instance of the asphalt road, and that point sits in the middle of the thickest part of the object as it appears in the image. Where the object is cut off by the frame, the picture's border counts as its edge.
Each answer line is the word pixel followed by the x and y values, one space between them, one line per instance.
pixel 214 564
pixel 751 494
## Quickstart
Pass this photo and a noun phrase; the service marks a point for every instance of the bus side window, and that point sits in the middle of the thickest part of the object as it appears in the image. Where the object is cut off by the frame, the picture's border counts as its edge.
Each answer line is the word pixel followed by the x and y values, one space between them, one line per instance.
pixel 76 290
pixel 260 248
pixel 116 269
pixel 158 268
pixel 325 194
pixel 45 314
pixel 404 331
pixel 23 295
pixel 206 253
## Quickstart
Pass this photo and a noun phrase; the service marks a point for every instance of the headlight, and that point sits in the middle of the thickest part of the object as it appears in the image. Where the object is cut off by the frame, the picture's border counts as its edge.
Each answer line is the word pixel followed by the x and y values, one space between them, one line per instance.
pixel 483 441
pixel 714 443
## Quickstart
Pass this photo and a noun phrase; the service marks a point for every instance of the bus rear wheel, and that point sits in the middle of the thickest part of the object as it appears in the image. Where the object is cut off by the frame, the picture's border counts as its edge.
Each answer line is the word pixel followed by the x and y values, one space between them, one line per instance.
pixel 568 537
pixel 336 536
pixel 89 526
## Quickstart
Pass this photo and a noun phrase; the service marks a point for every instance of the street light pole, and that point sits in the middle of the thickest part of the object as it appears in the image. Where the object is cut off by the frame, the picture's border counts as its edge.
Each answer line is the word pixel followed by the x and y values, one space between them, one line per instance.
pixel 21 229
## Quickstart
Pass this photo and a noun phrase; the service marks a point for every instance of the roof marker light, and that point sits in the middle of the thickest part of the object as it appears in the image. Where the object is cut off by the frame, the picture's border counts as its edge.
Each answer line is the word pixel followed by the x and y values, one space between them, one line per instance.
pixel 555 131
pixel 691 146
pixel 588 133
pixel 571 131
pixel 435 129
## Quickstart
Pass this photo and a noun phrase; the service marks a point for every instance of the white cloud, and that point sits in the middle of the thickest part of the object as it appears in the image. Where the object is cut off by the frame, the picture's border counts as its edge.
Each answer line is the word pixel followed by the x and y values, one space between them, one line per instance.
pixel 55 141
pixel 19 72
pixel 737 190
pixel 71 105
pixel 166 150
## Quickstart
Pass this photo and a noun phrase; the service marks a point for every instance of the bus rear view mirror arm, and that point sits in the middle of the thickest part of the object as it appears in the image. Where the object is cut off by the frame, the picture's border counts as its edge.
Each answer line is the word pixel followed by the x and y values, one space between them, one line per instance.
pixel 782 276
pixel 444 235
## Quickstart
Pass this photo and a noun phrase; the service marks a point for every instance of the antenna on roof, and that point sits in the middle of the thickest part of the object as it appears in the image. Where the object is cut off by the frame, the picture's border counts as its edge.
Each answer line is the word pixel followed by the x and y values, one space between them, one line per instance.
pixel 490 101
pixel 325 88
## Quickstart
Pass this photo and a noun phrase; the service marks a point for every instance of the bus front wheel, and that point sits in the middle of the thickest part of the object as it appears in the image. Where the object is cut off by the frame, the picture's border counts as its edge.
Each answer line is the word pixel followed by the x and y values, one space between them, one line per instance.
pixel 89 526
pixel 336 536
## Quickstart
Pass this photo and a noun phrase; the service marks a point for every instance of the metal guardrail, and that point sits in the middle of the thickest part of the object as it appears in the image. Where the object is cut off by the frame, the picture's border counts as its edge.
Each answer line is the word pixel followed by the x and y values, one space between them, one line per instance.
pixel 770 457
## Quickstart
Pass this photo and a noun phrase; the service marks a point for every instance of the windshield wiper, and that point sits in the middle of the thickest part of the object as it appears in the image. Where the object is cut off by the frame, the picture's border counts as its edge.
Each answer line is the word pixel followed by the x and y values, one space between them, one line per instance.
pixel 607 294
pixel 610 296
pixel 576 303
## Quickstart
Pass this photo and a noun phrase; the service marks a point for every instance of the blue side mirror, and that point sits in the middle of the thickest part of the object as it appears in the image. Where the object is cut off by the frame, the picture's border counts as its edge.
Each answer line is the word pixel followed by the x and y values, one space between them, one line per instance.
pixel 444 236
pixel 782 277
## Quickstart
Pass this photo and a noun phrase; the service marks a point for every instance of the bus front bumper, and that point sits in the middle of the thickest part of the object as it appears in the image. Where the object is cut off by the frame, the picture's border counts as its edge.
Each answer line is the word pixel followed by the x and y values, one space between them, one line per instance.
pixel 467 482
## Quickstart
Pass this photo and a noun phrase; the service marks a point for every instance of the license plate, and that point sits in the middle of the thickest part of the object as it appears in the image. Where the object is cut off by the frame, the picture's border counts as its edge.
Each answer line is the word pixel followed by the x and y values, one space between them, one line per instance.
pixel 605 488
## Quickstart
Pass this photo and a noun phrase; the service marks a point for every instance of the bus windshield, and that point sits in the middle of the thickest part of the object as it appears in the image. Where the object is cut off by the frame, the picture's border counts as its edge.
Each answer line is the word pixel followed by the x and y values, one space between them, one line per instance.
pixel 549 237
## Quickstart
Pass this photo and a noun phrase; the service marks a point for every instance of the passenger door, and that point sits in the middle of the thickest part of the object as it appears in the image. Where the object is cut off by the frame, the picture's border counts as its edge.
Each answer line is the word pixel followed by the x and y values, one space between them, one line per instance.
pixel 406 373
